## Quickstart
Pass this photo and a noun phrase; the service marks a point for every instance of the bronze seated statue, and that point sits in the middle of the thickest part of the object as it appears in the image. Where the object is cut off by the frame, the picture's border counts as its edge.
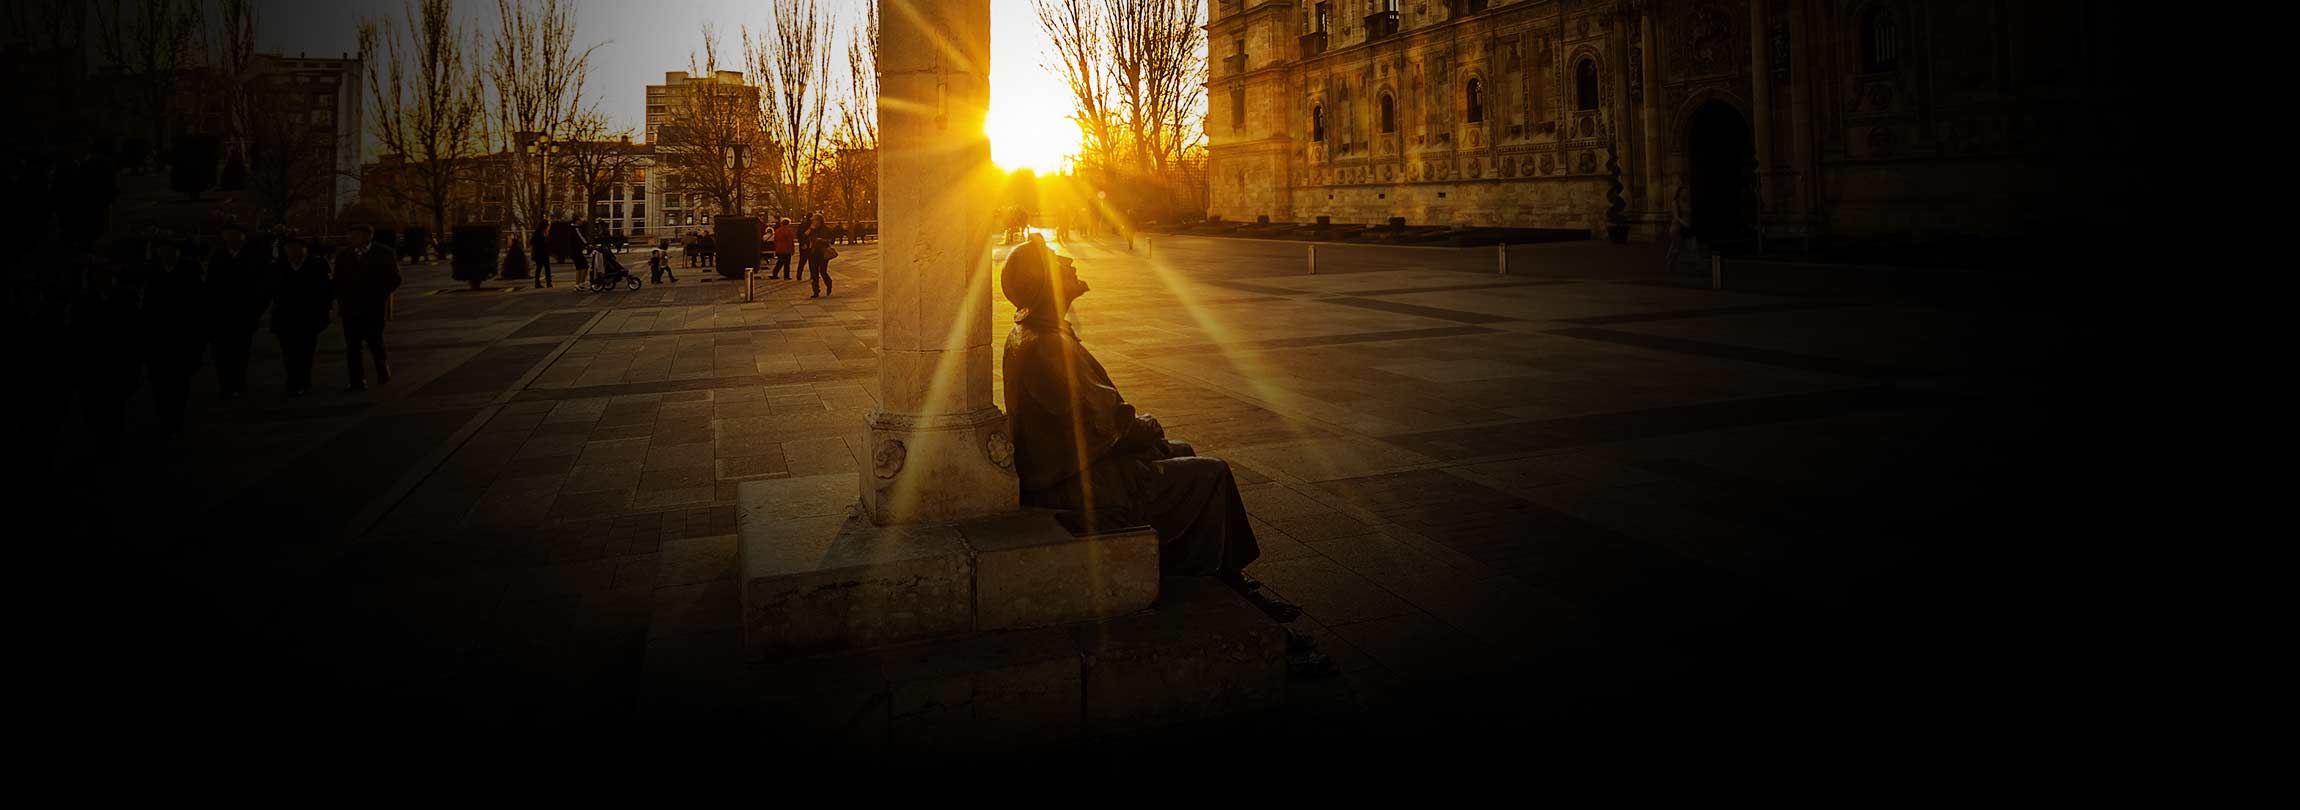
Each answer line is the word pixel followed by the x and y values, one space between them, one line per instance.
pixel 1080 448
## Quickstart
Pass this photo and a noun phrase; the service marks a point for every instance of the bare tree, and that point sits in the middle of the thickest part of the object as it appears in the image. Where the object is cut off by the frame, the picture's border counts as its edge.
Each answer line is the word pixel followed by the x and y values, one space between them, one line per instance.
pixel 536 76
pixel 795 82
pixel 157 45
pixel 712 133
pixel 1174 77
pixel 1137 73
pixel 236 52
pixel 1157 62
pixel 595 156
pixel 426 102
pixel 1075 29
pixel 851 168
pixel 37 25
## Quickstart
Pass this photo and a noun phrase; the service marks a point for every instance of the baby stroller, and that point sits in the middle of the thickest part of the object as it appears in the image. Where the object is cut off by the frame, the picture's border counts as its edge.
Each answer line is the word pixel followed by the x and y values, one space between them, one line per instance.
pixel 606 272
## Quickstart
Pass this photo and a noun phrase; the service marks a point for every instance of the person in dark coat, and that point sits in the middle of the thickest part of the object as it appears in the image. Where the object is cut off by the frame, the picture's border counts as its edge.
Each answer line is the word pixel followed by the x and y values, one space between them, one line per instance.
pixel 366 273
pixel 538 243
pixel 803 238
pixel 103 330
pixel 568 242
pixel 1079 447
pixel 303 295
pixel 173 328
pixel 515 260
pixel 659 266
pixel 239 289
pixel 818 259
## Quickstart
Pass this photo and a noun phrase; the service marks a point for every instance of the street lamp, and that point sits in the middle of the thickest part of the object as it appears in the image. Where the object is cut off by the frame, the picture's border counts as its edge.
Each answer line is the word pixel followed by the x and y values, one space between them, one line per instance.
pixel 543 149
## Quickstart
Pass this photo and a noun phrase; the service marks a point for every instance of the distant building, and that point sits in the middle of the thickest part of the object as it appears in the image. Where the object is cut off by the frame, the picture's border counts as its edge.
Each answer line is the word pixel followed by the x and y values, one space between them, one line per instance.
pixel 668 107
pixel 1849 118
pixel 666 101
pixel 332 90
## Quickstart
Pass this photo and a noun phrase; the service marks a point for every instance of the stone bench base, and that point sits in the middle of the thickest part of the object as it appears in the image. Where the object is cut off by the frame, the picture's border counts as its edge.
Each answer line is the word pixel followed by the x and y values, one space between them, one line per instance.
pixel 817 577
pixel 1203 651
pixel 1009 632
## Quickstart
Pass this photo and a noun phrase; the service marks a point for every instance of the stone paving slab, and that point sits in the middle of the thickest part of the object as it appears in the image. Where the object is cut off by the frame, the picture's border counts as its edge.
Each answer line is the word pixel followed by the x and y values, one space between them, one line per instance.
pixel 1587 457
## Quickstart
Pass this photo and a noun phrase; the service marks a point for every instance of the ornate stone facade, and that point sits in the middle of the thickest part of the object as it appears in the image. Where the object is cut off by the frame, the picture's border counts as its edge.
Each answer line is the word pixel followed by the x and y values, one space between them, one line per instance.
pixel 1854 118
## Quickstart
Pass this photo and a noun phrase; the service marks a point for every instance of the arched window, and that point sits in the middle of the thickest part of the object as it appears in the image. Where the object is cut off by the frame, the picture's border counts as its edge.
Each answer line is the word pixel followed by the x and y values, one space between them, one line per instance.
pixel 1880 40
pixel 1476 102
pixel 1389 115
pixel 1585 85
pixel 1318 123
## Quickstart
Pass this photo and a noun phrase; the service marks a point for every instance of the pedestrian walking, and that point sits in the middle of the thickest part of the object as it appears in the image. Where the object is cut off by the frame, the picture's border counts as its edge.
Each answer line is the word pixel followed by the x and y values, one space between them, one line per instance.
pixel 302 295
pixel 786 243
pixel 173 332
pixel 820 257
pixel 107 352
pixel 366 273
pixel 802 237
pixel 538 244
pixel 239 281
pixel 659 266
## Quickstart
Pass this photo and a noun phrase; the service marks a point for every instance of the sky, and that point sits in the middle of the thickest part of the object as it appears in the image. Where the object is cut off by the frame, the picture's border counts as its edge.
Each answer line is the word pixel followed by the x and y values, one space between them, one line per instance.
pixel 645 38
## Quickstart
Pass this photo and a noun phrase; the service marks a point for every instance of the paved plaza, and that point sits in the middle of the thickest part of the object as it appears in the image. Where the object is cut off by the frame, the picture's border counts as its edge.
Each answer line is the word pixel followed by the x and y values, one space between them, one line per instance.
pixel 1578 490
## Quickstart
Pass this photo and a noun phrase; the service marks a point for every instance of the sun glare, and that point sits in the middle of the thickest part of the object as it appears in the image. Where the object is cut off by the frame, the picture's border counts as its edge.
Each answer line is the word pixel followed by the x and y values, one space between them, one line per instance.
pixel 1029 127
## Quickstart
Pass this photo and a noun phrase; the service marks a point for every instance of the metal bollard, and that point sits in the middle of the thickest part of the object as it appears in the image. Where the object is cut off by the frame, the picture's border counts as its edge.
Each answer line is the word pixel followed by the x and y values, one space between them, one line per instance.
pixel 750 284
pixel 1501 258
pixel 1146 247
pixel 1716 271
pixel 1313 259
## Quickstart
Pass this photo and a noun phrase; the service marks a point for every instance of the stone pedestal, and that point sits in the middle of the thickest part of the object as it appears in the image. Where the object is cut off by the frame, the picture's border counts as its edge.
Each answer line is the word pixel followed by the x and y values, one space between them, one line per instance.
pixel 1202 652
pixel 818 577
pixel 938 445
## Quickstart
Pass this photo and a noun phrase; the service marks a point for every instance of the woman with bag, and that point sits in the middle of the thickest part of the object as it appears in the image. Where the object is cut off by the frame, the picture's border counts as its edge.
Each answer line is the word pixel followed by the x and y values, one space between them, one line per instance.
pixel 819 255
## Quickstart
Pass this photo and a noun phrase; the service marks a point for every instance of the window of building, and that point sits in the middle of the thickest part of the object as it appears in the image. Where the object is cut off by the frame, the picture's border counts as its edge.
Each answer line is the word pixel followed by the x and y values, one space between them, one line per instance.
pixel 1325 17
pixel 1389 114
pixel 1585 85
pixel 1476 97
pixel 1237 108
pixel 639 211
pixel 1880 41
pixel 1318 123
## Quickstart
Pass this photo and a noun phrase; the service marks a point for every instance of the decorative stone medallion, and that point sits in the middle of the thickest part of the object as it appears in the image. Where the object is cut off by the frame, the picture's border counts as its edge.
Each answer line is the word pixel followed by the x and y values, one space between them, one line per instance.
pixel 1001 449
pixel 888 460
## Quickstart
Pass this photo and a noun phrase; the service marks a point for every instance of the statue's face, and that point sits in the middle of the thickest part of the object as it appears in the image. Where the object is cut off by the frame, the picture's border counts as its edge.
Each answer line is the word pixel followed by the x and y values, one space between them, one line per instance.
pixel 1072 285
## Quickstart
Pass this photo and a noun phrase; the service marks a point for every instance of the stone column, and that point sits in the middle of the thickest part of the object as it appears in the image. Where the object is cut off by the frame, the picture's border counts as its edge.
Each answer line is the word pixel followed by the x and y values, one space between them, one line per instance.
pixel 1658 194
pixel 1761 96
pixel 938 447
pixel 1801 116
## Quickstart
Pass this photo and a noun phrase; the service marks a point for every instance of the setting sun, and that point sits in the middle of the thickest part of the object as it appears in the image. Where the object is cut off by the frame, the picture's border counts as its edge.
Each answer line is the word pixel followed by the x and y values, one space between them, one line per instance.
pixel 1029 127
